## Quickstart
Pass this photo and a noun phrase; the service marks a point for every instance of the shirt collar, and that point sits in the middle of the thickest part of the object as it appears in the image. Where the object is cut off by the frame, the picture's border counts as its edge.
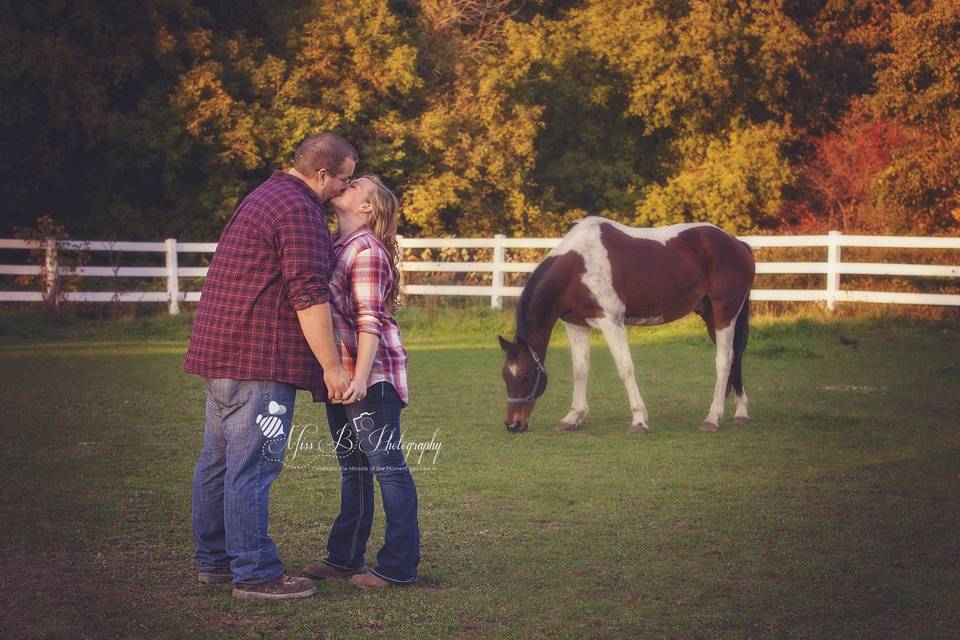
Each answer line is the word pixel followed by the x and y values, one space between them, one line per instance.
pixel 356 233
pixel 303 186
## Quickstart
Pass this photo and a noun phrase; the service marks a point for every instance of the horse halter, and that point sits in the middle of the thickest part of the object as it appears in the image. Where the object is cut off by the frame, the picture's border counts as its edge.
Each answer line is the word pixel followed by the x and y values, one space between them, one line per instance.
pixel 533 395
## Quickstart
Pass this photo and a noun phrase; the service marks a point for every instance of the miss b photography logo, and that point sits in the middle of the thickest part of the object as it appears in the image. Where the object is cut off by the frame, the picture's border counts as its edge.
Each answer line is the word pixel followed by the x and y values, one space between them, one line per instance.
pixel 271 425
pixel 361 443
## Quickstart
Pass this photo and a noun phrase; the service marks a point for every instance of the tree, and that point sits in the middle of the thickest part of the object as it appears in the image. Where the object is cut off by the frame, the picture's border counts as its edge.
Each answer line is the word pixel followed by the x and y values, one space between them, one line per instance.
pixel 78 121
pixel 736 182
pixel 843 180
pixel 154 119
pixel 918 81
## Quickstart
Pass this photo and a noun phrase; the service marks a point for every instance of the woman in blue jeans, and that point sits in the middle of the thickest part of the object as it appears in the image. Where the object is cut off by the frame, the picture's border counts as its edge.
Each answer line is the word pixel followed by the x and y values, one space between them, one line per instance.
pixel 366 427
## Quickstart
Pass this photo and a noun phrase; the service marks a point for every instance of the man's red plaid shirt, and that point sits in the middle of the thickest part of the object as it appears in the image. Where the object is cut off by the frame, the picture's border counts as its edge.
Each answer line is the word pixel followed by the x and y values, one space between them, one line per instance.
pixel 273 259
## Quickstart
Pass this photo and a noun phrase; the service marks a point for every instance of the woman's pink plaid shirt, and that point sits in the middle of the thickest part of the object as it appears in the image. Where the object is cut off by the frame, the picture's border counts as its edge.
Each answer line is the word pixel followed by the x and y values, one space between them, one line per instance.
pixel 361 282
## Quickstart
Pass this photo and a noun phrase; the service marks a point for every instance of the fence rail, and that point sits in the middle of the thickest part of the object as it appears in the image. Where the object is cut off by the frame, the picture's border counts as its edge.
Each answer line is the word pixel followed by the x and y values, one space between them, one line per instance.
pixel 831 293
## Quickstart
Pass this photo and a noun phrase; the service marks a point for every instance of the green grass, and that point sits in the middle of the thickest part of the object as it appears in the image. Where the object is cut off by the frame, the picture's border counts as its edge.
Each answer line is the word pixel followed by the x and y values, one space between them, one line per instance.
pixel 835 515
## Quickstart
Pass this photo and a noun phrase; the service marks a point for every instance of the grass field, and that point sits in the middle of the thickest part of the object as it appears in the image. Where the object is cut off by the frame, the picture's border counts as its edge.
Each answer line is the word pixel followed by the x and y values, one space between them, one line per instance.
pixel 835 515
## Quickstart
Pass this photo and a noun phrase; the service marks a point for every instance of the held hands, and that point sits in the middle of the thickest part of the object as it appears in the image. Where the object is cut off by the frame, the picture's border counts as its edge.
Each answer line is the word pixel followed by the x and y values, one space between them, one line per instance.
pixel 337 380
pixel 341 389
pixel 356 391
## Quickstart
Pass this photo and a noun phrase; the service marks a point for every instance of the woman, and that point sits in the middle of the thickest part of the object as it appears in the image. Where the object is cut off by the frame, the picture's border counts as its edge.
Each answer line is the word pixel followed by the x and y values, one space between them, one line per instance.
pixel 366 427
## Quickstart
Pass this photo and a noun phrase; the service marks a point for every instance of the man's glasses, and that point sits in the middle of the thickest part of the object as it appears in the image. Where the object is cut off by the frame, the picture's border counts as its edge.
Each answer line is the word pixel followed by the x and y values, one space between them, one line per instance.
pixel 346 182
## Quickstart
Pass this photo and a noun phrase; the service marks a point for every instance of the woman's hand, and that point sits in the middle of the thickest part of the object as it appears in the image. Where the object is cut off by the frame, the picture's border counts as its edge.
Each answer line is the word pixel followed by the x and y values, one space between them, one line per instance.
pixel 356 391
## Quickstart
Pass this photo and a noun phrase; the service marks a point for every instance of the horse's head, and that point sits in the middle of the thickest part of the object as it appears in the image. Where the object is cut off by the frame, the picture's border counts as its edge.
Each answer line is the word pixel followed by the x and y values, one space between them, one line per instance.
pixel 526 380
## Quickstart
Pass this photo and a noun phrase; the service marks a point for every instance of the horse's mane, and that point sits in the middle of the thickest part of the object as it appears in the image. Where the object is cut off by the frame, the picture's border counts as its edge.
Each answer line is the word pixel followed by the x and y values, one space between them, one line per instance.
pixel 526 297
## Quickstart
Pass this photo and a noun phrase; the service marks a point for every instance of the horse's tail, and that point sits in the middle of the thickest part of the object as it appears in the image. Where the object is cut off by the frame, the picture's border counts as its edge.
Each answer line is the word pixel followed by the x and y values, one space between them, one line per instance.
pixel 740 333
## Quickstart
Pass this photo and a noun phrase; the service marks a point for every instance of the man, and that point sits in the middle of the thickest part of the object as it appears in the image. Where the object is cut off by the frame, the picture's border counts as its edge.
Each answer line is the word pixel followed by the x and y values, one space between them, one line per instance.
pixel 262 325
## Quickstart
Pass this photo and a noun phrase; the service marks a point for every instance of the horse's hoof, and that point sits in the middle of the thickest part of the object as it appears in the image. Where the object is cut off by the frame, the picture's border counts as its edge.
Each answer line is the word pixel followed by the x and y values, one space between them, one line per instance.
pixel 565 426
pixel 741 421
pixel 639 429
pixel 709 427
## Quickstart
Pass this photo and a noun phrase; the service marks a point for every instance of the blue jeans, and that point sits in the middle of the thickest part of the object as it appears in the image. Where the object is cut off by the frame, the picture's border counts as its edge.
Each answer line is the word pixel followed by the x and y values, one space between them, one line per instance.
pixel 247 425
pixel 367 441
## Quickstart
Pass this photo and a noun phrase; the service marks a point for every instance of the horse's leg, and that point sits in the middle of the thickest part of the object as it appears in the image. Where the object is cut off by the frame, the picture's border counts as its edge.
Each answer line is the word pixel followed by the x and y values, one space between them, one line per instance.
pixel 724 361
pixel 616 336
pixel 740 417
pixel 580 352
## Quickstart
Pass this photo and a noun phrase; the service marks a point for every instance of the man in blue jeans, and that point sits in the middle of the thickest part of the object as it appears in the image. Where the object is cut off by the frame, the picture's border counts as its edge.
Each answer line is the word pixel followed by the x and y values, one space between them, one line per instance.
pixel 262 325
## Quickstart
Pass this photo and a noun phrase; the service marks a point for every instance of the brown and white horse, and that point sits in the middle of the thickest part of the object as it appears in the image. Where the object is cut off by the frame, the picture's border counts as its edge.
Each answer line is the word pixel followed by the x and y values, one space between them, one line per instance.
pixel 606 275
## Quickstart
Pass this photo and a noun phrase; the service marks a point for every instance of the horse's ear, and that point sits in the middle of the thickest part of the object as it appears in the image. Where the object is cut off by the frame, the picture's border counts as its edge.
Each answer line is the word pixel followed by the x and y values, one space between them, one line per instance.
pixel 521 342
pixel 504 344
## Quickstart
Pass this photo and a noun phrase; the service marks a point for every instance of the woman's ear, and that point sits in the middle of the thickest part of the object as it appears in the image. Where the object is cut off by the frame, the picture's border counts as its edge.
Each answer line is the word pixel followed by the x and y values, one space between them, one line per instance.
pixel 366 207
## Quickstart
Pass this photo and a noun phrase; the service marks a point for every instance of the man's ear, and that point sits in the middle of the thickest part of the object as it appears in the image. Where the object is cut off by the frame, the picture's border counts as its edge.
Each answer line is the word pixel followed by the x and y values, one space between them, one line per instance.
pixel 504 344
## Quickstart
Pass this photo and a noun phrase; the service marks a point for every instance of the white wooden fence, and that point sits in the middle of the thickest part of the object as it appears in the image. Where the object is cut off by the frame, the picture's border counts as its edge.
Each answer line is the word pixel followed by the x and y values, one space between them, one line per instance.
pixel 830 293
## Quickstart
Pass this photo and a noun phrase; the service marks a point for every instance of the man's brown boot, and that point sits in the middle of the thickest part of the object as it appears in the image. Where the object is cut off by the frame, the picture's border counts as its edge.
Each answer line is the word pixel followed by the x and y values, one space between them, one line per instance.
pixel 283 588
pixel 323 570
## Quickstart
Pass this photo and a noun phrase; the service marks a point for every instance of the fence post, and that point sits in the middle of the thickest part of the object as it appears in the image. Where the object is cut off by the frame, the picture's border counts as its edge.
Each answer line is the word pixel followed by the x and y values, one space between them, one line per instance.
pixel 173 279
pixel 403 276
pixel 50 274
pixel 499 257
pixel 833 268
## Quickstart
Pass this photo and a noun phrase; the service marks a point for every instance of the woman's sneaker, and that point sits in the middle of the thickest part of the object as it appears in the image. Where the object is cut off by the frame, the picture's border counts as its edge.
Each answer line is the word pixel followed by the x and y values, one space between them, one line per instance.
pixel 369 581
pixel 283 588
pixel 322 570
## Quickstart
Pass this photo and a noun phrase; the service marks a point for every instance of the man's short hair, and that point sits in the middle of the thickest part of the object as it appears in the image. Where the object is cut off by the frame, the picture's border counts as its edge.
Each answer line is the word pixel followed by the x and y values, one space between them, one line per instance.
pixel 323 151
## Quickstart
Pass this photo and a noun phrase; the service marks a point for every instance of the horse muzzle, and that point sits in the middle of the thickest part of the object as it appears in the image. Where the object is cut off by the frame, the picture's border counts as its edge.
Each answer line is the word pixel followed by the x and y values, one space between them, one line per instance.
pixel 517 427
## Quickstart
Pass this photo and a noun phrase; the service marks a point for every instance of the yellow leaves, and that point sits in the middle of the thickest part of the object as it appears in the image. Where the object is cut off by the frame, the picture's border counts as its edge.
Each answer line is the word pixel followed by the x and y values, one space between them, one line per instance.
pixel 737 183
pixel 164 43
pixel 198 42
pixel 361 45
pixel 200 95
pixel 463 138
pixel 524 45
pixel 919 79
pixel 240 142
pixel 433 128
pixel 269 76
pixel 427 196
pixel 693 70
pixel 398 70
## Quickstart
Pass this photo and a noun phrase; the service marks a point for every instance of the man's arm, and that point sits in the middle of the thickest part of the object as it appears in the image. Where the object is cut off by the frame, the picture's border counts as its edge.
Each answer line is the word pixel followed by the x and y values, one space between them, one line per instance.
pixel 317 328
pixel 304 245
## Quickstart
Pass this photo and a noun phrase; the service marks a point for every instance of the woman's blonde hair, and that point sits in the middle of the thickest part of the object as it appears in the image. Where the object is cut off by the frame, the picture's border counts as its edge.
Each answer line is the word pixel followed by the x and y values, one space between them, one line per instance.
pixel 383 224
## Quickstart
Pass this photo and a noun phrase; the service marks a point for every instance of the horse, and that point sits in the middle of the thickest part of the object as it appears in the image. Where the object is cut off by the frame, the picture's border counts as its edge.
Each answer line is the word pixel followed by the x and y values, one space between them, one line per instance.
pixel 605 275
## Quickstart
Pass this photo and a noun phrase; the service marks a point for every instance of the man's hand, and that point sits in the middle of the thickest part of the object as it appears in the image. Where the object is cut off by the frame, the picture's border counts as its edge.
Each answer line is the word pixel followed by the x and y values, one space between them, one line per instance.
pixel 356 391
pixel 337 380
pixel 318 330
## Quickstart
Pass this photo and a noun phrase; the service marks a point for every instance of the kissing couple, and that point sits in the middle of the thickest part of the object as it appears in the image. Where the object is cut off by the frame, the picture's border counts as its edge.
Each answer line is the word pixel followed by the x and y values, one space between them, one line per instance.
pixel 285 306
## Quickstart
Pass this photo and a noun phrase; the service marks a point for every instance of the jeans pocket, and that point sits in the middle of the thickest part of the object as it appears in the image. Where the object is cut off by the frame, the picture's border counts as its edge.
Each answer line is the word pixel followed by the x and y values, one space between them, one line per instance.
pixel 390 405
pixel 227 392
pixel 210 386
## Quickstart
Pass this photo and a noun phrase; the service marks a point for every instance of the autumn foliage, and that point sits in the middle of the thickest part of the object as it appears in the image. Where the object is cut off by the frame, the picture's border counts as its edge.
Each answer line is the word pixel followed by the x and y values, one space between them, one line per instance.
pixel 152 119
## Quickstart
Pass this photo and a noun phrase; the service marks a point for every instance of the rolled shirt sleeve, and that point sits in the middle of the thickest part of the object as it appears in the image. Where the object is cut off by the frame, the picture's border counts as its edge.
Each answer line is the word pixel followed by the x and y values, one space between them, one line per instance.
pixel 371 281
pixel 304 244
